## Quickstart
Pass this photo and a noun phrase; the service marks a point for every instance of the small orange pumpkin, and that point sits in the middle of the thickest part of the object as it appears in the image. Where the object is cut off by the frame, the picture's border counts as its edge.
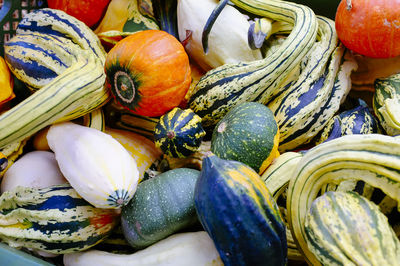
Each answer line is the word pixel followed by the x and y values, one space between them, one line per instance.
pixel 148 72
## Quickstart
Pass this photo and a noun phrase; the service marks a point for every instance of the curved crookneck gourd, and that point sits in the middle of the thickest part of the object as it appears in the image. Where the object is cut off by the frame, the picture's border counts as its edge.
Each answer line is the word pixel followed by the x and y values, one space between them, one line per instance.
pixel 67 68
pixel 368 164
pixel 226 86
pixel 311 100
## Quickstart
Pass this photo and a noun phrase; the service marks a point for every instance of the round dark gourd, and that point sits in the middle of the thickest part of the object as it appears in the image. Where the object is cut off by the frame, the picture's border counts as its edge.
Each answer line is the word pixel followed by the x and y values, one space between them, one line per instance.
pixel 239 213
pixel 160 207
pixel 249 134
pixel 179 133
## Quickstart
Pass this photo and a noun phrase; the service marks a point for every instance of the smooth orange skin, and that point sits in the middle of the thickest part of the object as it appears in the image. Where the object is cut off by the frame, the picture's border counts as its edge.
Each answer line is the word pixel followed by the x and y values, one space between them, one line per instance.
pixel 163 67
pixel 88 11
pixel 370 27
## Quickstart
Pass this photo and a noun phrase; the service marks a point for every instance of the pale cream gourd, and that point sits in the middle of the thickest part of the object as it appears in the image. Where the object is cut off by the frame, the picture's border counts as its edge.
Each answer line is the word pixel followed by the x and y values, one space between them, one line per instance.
pixel 35 169
pixel 191 248
pixel 227 41
pixel 96 165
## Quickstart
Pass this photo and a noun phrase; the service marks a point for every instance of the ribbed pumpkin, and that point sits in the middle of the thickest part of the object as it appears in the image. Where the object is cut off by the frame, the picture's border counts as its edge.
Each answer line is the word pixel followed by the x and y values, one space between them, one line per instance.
pixel 179 133
pixel 239 213
pixel 148 72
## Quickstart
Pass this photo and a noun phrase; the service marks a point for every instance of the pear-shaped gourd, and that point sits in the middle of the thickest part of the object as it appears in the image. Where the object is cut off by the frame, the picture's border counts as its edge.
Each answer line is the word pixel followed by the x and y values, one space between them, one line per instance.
pixel 99 168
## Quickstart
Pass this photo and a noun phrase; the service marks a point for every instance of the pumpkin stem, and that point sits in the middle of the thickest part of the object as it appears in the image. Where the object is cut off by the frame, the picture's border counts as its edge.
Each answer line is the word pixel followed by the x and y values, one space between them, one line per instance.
pixel 348 4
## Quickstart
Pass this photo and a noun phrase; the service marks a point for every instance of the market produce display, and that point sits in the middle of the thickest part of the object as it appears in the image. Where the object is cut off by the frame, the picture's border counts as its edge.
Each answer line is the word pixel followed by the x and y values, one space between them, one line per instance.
pixel 187 132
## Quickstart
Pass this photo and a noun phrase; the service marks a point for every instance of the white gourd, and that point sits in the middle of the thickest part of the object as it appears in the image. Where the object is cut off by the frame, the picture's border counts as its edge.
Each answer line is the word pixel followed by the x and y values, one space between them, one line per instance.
pixel 228 41
pixel 96 165
pixel 35 169
pixel 191 248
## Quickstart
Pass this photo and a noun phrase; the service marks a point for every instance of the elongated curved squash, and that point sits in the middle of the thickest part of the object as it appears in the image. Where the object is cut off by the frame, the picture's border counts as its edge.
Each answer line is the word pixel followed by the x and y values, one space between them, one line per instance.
pixel 341 164
pixel 344 228
pixel 239 213
pixel 55 219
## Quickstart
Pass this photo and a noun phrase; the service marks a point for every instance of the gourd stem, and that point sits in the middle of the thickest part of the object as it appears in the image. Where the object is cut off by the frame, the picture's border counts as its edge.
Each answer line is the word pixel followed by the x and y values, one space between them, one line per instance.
pixel 348 4
pixel 210 22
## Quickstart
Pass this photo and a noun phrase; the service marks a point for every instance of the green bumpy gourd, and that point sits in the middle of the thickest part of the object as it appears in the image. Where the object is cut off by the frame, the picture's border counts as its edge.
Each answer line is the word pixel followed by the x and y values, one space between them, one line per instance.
pixel 344 228
pixel 54 219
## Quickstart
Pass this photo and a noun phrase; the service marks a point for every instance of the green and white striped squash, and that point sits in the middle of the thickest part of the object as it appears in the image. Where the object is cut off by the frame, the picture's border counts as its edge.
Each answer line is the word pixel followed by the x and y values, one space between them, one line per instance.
pixel 314 97
pixel 342 164
pixel 239 213
pixel 161 206
pixel 386 103
pixel 358 120
pixel 179 133
pixel 224 87
pixel 67 68
pixel 248 133
pixel 344 228
pixel 54 219
pixel 276 177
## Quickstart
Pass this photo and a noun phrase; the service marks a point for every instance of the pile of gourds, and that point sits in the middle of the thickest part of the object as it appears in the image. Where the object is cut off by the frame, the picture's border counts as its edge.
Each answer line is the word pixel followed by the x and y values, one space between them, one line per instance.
pixel 198 132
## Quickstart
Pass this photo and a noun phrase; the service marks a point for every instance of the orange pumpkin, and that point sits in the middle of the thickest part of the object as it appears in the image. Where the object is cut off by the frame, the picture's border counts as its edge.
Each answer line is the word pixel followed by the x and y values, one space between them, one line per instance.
pixel 370 28
pixel 148 72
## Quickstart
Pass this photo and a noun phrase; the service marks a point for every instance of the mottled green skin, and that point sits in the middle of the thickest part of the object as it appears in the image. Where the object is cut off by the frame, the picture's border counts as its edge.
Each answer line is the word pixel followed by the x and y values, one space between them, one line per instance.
pixel 246 134
pixel 160 207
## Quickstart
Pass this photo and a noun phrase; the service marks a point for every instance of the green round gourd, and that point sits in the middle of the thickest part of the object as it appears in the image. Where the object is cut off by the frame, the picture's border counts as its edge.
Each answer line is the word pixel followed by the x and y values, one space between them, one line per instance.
pixel 249 134
pixel 160 207
pixel 239 213
pixel 344 228
pixel 179 133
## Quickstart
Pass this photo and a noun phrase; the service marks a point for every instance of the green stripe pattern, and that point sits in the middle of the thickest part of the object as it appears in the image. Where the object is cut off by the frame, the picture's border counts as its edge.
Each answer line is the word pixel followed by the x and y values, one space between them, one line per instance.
pixel 372 158
pixel 386 103
pixel 344 228
pixel 226 86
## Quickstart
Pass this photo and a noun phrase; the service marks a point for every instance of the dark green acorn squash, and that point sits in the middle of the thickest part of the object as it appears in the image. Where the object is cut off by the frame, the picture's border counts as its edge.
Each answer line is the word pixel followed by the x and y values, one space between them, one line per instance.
pixel 239 213
pixel 249 134
pixel 160 207
pixel 344 228
pixel 179 133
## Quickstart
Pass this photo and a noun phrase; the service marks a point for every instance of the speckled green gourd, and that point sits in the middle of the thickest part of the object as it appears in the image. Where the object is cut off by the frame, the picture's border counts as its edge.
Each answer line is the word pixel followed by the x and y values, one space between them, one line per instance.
pixel 248 134
pixel 160 207
pixel 344 228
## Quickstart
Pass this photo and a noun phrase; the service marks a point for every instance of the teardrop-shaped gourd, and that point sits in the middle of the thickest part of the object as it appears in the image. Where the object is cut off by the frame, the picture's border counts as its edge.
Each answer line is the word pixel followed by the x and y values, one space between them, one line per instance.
pixel 100 169
pixel 161 206
pixel 148 72
pixel 344 228
pixel 239 213
pixel 179 133
pixel 249 134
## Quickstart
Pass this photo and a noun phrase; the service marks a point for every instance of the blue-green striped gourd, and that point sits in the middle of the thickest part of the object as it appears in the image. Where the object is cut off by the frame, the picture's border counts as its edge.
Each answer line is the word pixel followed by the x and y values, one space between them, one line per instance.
pixel 248 133
pixel 386 103
pixel 344 228
pixel 54 219
pixel 239 213
pixel 161 206
pixel 312 98
pixel 60 57
pixel 224 87
pixel 179 133
pixel 358 120
pixel 368 163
